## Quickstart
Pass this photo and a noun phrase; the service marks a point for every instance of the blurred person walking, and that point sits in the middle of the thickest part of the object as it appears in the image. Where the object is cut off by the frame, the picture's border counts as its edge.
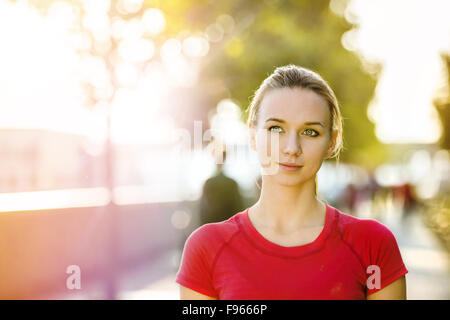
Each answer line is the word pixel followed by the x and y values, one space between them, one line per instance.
pixel 406 197
pixel 221 197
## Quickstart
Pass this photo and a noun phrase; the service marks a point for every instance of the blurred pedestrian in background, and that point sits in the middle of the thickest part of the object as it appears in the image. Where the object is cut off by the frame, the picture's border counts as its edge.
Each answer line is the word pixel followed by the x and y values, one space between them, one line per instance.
pixel 404 194
pixel 221 197
pixel 349 198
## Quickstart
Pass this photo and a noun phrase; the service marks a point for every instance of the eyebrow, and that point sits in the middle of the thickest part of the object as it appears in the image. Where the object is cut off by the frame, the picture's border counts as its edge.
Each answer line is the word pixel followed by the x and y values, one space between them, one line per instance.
pixel 309 123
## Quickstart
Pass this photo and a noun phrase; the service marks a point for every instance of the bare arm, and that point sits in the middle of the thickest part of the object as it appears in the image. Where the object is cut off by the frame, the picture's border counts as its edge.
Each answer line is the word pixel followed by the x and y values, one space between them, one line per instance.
pixel 395 291
pixel 188 294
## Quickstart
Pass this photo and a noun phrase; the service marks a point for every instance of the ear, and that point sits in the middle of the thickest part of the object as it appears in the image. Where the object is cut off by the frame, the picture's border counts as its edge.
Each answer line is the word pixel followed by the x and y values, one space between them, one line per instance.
pixel 252 136
pixel 332 144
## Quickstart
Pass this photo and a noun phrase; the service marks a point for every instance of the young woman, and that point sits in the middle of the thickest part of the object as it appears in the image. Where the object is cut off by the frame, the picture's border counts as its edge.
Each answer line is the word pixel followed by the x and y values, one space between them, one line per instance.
pixel 290 244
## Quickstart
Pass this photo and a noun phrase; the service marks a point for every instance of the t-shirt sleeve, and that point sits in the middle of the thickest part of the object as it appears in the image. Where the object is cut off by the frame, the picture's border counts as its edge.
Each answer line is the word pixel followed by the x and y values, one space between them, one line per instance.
pixel 195 267
pixel 385 263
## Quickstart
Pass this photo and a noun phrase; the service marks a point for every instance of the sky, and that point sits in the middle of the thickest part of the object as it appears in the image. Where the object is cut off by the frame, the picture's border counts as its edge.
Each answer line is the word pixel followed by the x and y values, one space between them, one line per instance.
pixel 407 37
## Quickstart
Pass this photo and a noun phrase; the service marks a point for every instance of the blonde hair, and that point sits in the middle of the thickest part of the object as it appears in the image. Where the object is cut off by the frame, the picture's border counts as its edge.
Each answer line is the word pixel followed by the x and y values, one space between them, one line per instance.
pixel 292 76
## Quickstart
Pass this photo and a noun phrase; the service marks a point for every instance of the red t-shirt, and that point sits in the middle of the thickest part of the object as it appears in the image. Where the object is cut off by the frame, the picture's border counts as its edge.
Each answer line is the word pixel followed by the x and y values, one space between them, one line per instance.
pixel 231 260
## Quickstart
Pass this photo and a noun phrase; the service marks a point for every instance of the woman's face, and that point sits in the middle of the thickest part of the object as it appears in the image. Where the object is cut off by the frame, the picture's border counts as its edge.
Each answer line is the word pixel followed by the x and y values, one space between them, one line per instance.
pixel 293 127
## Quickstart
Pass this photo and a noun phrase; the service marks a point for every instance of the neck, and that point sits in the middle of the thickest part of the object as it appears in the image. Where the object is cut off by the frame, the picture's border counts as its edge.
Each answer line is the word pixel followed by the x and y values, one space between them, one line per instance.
pixel 286 208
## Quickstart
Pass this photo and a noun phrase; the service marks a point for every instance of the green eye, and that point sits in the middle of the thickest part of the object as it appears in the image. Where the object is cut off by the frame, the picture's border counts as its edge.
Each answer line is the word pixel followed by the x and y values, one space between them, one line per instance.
pixel 276 129
pixel 311 132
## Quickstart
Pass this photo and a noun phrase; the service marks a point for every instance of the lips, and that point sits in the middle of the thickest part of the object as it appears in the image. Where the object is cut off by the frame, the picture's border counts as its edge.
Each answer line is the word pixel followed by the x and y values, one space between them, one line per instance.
pixel 289 166
pixel 293 165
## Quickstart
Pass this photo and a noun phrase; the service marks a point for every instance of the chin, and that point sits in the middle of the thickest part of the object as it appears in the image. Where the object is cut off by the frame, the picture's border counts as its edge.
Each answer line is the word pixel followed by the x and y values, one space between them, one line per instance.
pixel 289 181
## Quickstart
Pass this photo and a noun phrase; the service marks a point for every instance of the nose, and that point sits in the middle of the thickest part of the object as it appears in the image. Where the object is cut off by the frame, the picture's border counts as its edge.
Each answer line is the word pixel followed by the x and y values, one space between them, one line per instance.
pixel 292 146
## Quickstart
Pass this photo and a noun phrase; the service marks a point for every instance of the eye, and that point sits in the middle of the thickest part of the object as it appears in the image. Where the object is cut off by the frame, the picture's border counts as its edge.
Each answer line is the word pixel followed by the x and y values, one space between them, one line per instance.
pixel 276 129
pixel 311 132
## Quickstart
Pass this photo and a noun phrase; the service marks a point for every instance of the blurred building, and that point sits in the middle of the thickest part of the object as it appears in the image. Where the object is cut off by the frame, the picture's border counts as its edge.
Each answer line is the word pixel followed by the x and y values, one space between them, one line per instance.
pixel 38 159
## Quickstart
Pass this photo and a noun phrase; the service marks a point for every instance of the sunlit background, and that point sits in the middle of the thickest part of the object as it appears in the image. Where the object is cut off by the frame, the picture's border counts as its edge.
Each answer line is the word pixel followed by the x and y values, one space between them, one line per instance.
pixel 108 110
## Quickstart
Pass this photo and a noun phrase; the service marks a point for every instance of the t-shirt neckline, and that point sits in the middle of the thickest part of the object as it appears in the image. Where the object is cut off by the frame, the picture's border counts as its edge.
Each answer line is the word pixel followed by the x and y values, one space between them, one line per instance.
pixel 272 248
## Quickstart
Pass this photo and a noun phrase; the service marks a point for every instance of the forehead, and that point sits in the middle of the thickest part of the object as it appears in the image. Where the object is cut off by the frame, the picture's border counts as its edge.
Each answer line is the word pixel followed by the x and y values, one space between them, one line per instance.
pixel 294 105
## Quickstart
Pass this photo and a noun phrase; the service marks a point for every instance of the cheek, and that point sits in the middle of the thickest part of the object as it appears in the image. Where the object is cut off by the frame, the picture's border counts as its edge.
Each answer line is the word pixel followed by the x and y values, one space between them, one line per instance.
pixel 267 148
pixel 316 149
pixel 266 143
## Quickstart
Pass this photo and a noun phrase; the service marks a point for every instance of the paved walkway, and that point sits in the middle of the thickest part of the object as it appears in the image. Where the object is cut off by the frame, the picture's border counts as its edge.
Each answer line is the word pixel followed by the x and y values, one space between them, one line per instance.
pixel 164 288
pixel 426 259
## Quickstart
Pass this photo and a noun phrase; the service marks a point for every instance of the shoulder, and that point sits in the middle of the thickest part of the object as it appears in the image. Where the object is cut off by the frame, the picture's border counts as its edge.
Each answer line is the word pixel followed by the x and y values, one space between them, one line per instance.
pixel 211 236
pixel 374 245
pixel 201 249
pixel 354 227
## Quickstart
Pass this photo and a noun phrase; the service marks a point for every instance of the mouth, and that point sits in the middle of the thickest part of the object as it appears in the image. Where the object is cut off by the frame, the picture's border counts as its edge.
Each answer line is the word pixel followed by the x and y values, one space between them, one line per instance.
pixel 289 166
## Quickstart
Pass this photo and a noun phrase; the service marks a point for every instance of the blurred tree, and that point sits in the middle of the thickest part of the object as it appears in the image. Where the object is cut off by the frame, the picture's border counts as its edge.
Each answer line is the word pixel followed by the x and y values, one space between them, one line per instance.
pixel 442 104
